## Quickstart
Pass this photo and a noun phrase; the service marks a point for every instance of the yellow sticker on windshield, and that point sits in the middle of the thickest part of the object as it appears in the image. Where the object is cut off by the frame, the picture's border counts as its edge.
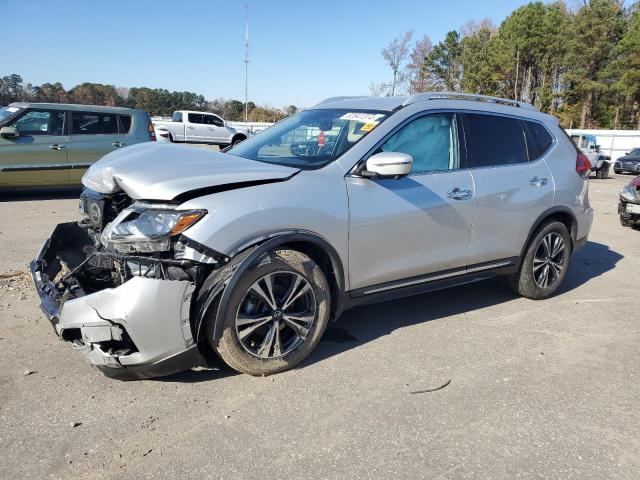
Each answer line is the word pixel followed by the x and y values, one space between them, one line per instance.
pixel 367 127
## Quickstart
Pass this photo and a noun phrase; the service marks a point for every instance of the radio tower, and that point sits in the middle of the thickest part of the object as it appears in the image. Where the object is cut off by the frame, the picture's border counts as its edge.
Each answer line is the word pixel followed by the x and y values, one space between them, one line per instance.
pixel 246 67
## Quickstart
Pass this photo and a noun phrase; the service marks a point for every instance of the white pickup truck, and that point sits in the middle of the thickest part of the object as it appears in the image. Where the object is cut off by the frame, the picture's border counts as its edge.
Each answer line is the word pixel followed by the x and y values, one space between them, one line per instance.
pixel 198 127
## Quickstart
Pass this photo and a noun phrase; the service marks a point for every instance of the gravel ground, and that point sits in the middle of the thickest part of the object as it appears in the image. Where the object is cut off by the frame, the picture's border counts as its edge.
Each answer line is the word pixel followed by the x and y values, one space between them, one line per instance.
pixel 538 389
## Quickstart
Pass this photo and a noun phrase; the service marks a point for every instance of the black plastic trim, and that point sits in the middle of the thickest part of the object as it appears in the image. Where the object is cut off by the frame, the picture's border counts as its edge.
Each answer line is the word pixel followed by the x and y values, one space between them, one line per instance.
pixel 546 214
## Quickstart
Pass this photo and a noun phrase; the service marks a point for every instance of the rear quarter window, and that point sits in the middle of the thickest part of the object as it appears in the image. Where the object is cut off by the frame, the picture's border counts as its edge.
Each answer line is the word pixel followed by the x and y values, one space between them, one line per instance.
pixel 125 123
pixel 538 139
pixel 493 140
pixel 91 123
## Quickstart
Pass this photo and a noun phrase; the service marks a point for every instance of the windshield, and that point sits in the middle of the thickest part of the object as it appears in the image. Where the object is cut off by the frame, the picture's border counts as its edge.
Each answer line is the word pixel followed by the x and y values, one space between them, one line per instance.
pixel 635 151
pixel 310 139
pixel 7 112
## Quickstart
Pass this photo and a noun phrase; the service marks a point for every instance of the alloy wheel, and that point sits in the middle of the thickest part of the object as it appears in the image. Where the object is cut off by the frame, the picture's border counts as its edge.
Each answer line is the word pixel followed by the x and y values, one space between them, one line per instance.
pixel 548 261
pixel 275 314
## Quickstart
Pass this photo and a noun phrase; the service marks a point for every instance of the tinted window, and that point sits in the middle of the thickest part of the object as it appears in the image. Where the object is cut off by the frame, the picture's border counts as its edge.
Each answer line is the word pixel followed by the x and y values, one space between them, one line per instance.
pixel 430 140
pixel 195 118
pixel 176 117
pixel 38 122
pixel 85 124
pixel 94 123
pixel 493 140
pixel 538 139
pixel 213 120
pixel 108 123
pixel 125 122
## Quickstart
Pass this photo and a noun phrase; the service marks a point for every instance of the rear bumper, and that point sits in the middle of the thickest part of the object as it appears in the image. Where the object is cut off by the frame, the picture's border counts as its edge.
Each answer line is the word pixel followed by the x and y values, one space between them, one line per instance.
pixel 140 329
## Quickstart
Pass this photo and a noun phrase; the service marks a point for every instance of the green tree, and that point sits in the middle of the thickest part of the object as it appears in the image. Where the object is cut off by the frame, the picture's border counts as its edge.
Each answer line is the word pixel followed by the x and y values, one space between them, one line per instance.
pixel 444 63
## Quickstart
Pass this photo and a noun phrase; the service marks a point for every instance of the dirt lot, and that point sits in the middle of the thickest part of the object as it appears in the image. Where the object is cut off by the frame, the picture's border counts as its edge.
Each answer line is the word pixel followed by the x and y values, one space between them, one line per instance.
pixel 538 389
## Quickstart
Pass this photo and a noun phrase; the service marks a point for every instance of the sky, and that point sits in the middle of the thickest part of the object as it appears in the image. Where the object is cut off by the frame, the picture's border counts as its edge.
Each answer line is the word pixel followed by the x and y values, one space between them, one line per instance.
pixel 299 53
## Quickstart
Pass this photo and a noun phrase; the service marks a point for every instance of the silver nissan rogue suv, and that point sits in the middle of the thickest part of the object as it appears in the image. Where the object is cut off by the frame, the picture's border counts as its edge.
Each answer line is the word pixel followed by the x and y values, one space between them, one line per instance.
pixel 251 252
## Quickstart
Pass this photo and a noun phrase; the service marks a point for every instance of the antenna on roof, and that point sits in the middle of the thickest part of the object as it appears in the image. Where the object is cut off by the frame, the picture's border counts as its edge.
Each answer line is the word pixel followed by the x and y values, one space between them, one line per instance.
pixel 246 65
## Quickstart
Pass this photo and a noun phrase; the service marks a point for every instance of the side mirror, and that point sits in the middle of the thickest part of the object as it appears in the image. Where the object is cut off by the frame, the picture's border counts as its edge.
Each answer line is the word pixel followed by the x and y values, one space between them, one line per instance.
pixel 388 164
pixel 9 132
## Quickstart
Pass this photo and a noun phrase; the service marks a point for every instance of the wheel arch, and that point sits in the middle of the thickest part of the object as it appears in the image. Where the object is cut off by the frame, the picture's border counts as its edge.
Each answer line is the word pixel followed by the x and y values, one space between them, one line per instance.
pixel 220 285
pixel 562 214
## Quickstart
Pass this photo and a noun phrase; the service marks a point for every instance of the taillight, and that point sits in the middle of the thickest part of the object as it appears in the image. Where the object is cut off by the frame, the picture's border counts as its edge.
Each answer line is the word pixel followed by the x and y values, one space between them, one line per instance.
pixel 152 132
pixel 583 165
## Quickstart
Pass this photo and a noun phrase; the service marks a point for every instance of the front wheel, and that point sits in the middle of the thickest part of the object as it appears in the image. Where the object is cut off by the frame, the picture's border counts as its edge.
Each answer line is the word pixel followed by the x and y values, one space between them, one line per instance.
pixel 545 262
pixel 276 315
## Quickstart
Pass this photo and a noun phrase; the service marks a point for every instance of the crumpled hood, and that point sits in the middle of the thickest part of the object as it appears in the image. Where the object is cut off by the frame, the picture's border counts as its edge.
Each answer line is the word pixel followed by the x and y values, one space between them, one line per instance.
pixel 160 171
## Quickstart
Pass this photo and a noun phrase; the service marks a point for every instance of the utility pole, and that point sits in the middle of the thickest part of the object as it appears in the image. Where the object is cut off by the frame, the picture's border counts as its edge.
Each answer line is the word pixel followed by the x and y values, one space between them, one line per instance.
pixel 246 66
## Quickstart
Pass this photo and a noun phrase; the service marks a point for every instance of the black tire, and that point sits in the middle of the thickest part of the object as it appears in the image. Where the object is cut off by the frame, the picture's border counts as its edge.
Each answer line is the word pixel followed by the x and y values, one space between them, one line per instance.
pixel 170 138
pixel 617 171
pixel 524 282
pixel 600 174
pixel 239 355
pixel 237 139
pixel 626 223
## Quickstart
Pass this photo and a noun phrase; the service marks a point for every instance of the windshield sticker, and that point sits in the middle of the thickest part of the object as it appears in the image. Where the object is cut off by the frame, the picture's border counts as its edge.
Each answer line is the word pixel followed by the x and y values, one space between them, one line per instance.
pixel 361 117
pixel 12 109
pixel 367 127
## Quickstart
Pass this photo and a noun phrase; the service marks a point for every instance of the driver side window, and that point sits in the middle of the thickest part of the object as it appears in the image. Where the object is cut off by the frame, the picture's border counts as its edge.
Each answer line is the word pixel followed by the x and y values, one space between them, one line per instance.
pixel 431 140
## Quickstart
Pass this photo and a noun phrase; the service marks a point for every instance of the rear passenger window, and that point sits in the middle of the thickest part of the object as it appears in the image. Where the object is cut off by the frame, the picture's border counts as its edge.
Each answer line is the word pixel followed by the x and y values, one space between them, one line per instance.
pixel 125 123
pixel 538 139
pixel 94 123
pixel 195 118
pixel 493 140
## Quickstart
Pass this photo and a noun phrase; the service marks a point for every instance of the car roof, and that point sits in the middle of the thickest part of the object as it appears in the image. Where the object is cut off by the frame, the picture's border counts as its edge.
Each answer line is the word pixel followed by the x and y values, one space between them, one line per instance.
pixel 74 107
pixel 458 100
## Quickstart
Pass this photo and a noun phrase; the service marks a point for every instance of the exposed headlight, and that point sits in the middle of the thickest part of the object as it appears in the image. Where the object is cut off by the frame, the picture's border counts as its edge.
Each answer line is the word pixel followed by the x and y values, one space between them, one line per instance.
pixel 148 230
pixel 628 193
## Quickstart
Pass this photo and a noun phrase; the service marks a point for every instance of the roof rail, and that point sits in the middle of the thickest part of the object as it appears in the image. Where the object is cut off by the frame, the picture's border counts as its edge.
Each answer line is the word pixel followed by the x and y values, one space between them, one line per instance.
pixel 337 99
pixel 420 97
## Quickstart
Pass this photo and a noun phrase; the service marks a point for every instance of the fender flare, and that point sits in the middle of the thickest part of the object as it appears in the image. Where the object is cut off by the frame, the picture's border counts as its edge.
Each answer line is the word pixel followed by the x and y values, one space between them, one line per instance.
pixel 546 214
pixel 253 254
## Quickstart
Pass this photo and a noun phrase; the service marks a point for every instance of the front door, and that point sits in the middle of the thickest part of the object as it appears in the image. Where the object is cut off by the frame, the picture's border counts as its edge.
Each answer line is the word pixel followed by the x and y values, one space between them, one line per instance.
pixel 93 135
pixel 195 129
pixel 215 129
pixel 39 155
pixel 419 224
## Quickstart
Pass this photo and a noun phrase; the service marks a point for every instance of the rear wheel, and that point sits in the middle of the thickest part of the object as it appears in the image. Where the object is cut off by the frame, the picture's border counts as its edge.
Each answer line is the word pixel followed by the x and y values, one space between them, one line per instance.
pixel 276 315
pixel 237 140
pixel 545 262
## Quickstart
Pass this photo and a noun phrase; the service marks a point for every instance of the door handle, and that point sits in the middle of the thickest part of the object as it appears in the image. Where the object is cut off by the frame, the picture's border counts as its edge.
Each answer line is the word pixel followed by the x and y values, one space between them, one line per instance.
pixel 118 144
pixel 538 181
pixel 190 127
pixel 55 146
pixel 459 194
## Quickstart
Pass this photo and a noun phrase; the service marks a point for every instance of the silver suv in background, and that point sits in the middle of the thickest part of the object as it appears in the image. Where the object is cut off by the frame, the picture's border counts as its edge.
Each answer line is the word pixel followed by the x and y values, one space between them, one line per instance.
pixel 250 253
pixel 49 144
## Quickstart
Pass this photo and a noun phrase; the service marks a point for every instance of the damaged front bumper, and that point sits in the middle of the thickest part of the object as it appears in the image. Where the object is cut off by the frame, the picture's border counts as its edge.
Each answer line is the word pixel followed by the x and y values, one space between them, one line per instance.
pixel 139 329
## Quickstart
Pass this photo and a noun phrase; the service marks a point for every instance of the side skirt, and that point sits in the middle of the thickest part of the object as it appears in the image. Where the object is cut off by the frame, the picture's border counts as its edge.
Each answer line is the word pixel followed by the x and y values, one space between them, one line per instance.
pixel 431 282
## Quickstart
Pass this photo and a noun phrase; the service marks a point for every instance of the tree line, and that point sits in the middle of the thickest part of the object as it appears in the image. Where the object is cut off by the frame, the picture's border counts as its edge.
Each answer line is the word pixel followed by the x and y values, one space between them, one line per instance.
pixel 581 65
pixel 155 101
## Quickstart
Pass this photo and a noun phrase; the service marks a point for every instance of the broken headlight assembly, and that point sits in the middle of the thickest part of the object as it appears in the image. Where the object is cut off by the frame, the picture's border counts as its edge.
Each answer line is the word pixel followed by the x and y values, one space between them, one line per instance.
pixel 628 194
pixel 142 229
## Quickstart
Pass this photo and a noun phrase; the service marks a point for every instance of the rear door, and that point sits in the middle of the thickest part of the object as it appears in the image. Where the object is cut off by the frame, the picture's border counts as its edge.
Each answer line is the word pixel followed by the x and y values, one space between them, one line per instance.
pixel 513 185
pixel 39 155
pixel 196 130
pixel 92 135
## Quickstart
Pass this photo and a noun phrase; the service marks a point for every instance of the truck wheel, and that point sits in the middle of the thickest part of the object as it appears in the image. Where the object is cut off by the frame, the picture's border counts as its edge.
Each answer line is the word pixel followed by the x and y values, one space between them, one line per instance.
pixel 276 316
pixel 170 138
pixel 600 174
pixel 545 262
pixel 237 139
